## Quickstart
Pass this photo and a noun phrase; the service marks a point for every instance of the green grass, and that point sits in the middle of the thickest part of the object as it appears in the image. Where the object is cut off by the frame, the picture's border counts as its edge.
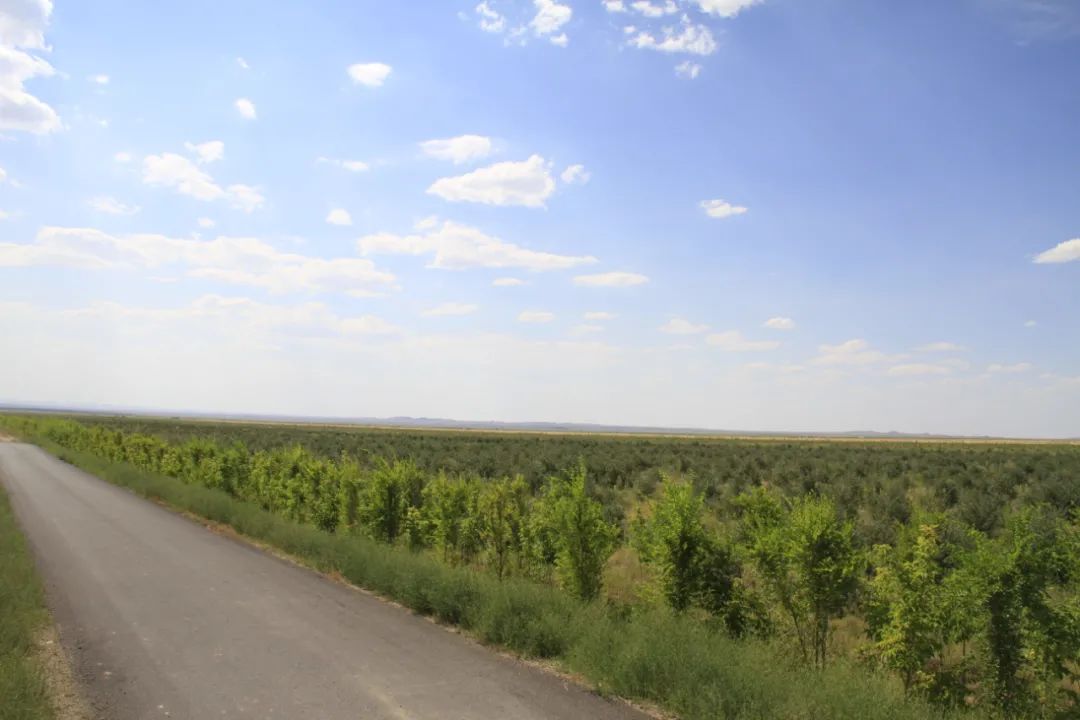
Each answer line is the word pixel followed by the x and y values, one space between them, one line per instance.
pixel 22 615
pixel 674 662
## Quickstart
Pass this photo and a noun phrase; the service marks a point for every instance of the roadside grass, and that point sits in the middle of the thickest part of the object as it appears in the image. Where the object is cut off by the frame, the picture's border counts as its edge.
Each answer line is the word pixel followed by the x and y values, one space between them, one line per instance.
pixel 676 663
pixel 23 693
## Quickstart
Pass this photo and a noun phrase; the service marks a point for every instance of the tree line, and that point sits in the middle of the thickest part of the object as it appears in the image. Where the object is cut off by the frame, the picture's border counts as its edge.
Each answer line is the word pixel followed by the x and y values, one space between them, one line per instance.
pixel 964 616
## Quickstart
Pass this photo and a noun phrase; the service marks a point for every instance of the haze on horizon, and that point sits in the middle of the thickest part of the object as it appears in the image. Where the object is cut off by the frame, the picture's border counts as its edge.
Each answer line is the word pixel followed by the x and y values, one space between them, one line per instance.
pixel 757 215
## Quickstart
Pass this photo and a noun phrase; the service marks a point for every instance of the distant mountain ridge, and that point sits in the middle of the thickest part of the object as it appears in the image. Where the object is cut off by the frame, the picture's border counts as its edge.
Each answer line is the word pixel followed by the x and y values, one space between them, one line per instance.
pixel 403 421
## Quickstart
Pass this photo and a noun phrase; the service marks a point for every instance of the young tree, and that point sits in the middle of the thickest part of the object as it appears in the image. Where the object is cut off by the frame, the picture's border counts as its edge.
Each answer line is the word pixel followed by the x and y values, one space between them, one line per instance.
pixel 574 524
pixel 807 558
pixel 503 509
pixel 673 538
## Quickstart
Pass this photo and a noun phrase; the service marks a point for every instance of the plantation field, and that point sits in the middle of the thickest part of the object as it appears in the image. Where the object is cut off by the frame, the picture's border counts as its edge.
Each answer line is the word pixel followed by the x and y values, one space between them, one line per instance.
pixel 947 570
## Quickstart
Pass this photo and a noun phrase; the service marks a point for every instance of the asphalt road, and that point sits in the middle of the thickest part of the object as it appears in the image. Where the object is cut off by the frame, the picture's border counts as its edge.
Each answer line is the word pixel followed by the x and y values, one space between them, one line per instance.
pixel 164 618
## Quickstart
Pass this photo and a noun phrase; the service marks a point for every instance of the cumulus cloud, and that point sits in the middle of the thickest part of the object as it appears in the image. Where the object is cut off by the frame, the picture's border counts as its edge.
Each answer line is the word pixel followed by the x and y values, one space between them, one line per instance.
pixel 339 216
pixel 112 206
pixel 681 326
pixel 535 316
pixel 688 69
pixel 780 323
pixel 22 27
pixel 725 8
pixel 206 152
pixel 691 39
pixel 852 352
pixel 99 79
pixel 575 175
pixel 350 165
pixel 1064 252
pixel 528 184
pixel 599 316
pixel 235 260
pixel 453 246
pixel 550 17
pixel 615 6
pixel 733 341
pixel 451 309
pixel 243 63
pixel 656 10
pixel 721 208
pixel 180 173
pixel 611 279
pixel 507 282
pixel 458 150
pixel 246 108
pixel 369 74
pixel 490 20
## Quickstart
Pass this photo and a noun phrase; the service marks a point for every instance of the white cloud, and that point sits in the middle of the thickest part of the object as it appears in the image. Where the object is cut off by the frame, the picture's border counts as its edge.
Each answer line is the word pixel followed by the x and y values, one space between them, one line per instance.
pixel 599 316
pixel 725 8
pixel 940 347
pixel 112 206
pixel 688 69
pixel 23 22
pixel 535 316
pixel 733 341
pixel 721 208
pixel 460 149
pixel 426 223
pixel 507 282
pixel 681 326
pixel 339 216
pixel 206 152
pixel 456 247
pixel 177 171
pixel 586 329
pixel 779 323
pixel 550 17
pixel 99 79
pixel 998 368
pixel 122 157
pixel 246 108
pixel 562 39
pixel 650 10
pixel 350 165
pixel 243 63
pixel 451 309
pixel 244 197
pixel 917 369
pixel 369 74
pixel 1067 251
pixel 1031 323
pixel 528 183
pixel 490 20
pixel 611 279
pixel 19 110
pixel 615 6
pixel 240 261
pixel 692 39
pixel 205 222
pixel 852 352
pixel 575 175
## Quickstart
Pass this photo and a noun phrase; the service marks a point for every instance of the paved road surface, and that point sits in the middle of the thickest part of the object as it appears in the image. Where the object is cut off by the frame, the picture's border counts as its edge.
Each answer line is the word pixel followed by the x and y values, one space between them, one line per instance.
pixel 166 619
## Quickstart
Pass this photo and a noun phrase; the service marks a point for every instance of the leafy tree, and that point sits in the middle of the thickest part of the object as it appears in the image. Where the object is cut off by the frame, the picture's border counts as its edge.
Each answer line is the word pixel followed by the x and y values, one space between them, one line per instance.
pixel 502 510
pixel 384 503
pixel 807 557
pixel 674 540
pixel 574 525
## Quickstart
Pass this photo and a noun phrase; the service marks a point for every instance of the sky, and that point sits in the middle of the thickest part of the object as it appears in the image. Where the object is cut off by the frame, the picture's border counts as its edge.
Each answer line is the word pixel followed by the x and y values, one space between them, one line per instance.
pixel 762 215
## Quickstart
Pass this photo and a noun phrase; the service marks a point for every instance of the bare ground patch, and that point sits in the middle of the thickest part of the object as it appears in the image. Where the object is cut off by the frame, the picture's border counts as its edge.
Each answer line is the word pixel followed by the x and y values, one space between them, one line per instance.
pixel 64 695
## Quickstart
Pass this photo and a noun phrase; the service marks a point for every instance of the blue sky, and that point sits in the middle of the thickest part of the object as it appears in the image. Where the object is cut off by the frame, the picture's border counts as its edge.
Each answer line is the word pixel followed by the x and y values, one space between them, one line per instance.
pixel 739 214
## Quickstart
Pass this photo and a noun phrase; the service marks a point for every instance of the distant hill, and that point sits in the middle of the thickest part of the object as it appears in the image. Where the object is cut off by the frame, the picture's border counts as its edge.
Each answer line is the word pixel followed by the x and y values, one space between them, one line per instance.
pixel 490 425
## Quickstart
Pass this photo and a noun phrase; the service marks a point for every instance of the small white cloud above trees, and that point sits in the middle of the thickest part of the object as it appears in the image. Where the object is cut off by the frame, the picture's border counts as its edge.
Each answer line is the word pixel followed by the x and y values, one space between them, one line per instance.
pixel 371 75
